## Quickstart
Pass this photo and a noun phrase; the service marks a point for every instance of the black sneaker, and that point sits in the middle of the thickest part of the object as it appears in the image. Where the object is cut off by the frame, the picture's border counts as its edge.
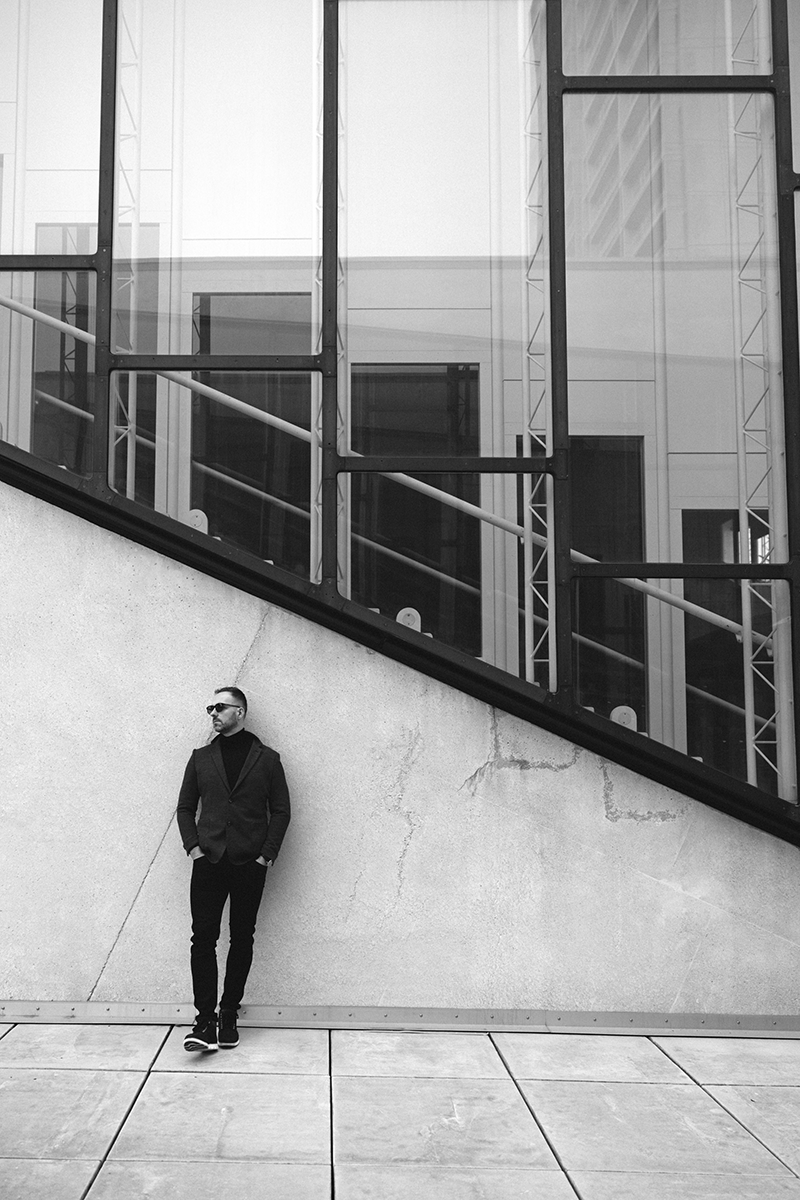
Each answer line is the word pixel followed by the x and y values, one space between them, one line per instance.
pixel 203 1036
pixel 228 1033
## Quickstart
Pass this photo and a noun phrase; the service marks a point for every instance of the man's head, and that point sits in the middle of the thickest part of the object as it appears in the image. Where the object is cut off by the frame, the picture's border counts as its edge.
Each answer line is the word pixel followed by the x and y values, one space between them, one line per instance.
pixel 228 711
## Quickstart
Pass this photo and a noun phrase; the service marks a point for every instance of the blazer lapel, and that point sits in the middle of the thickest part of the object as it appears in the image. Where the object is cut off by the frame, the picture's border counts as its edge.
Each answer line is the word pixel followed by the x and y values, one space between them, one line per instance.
pixel 249 762
pixel 216 758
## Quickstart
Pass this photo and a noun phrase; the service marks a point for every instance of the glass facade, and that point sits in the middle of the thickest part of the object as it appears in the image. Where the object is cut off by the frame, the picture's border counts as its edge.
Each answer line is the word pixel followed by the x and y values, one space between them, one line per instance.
pixel 47 387
pixel 50 63
pixel 217 172
pixel 475 319
pixel 671 216
pixel 666 37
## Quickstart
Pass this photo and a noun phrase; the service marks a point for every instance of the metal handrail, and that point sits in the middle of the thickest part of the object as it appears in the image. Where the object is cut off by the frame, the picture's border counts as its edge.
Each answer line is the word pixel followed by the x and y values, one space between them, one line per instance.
pixel 481 514
pixel 579 638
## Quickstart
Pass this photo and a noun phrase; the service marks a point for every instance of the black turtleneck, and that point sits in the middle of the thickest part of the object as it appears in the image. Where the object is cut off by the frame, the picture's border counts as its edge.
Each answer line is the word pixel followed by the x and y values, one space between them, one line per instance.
pixel 234 751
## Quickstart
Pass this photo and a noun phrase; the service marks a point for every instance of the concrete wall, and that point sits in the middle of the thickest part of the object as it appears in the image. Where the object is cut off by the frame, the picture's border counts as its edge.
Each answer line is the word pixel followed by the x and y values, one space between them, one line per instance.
pixel 441 853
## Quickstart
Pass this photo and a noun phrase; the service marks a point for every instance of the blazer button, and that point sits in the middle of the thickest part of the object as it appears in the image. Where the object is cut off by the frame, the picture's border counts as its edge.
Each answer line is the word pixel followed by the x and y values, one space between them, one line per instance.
pixel 228 822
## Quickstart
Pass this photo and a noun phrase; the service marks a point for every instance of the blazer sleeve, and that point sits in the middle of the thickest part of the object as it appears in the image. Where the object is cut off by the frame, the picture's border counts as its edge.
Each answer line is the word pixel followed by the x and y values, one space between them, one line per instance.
pixel 186 812
pixel 279 811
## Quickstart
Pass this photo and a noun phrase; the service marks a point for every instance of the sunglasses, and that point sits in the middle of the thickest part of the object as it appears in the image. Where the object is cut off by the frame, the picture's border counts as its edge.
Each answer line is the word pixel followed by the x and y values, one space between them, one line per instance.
pixel 212 708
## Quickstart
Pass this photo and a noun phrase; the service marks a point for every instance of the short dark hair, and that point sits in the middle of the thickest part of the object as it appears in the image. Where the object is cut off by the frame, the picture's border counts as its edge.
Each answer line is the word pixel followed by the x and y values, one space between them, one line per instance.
pixel 237 694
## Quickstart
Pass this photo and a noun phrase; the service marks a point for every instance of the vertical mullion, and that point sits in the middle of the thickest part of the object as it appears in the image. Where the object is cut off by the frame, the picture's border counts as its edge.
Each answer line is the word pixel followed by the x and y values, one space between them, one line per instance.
pixel 330 255
pixel 105 231
pixel 790 347
pixel 562 531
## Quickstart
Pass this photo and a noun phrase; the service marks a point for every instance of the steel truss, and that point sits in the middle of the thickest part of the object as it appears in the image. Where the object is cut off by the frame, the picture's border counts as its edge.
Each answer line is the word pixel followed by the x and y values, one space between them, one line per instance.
pixel 124 389
pixel 763 532
pixel 537 490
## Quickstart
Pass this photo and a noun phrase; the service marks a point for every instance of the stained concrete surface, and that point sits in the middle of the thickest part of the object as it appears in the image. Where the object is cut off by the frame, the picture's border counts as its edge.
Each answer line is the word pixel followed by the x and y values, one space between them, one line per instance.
pixel 96 1112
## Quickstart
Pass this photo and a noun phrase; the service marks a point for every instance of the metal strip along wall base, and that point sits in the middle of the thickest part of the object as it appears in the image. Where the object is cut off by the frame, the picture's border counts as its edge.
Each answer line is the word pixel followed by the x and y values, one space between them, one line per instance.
pixel 412 1019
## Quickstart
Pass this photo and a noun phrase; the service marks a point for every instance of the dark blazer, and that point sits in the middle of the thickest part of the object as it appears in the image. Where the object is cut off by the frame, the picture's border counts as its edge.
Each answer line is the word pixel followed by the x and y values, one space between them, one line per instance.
pixel 247 820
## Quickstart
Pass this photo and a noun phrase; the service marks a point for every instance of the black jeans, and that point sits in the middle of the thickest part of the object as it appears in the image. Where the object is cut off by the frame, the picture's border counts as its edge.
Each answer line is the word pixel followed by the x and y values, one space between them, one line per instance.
pixel 212 885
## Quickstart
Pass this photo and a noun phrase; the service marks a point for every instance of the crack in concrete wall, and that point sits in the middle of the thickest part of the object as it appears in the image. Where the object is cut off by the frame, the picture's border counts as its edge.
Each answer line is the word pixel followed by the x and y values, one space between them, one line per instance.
pixel 139 890
pixel 394 803
pixel 497 761
pixel 251 647
pixel 614 813
pixel 353 893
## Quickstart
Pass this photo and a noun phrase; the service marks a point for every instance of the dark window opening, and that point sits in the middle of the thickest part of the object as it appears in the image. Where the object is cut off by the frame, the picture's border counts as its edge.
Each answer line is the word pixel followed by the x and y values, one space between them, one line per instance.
pixel 250 479
pixel 609 641
pixel 715 667
pixel 63 372
pixel 410 550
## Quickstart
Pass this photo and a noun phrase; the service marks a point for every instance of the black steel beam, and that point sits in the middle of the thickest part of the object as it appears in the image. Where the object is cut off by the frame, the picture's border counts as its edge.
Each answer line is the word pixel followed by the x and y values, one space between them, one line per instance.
pixel 105 238
pixel 559 360
pixel 536 464
pixel 217 362
pixel 48 262
pixel 666 83
pixel 681 570
pixel 790 344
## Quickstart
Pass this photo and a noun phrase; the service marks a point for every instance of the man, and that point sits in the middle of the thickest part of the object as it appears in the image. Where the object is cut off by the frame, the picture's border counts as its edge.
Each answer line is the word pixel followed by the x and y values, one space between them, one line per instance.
pixel 244 812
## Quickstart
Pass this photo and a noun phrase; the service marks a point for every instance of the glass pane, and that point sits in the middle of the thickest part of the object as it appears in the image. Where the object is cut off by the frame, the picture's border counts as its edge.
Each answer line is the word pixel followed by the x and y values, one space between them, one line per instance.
pixel 703 665
pixel 445 554
pixel 217 176
pixel 673 322
pixel 794 76
pixel 47 400
pixel 415 409
pixel 442 230
pixel 226 452
pixel 666 37
pixel 49 120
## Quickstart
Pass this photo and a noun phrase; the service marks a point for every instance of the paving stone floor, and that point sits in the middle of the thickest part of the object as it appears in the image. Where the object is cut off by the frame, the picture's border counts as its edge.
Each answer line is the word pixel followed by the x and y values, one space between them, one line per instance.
pixel 111 1112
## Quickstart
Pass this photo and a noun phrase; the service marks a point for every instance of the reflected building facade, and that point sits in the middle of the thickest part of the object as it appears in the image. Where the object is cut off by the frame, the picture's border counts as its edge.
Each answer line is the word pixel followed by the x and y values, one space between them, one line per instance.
pixel 384 229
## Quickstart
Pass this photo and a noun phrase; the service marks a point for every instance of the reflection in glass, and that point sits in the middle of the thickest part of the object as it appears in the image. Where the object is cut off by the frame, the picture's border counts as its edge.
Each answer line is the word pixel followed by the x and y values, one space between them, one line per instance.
pixel 415 409
pixel 133 436
pixel 607 526
pixel 793 12
pixel 442 308
pixel 217 179
pixel 250 479
pixel 226 452
pixel 46 369
pixel 436 553
pixel 412 552
pixel 703 665
pixel 666 37
pixel 442 224
pixel 49 120
pixel 672 290
pixel 609 651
